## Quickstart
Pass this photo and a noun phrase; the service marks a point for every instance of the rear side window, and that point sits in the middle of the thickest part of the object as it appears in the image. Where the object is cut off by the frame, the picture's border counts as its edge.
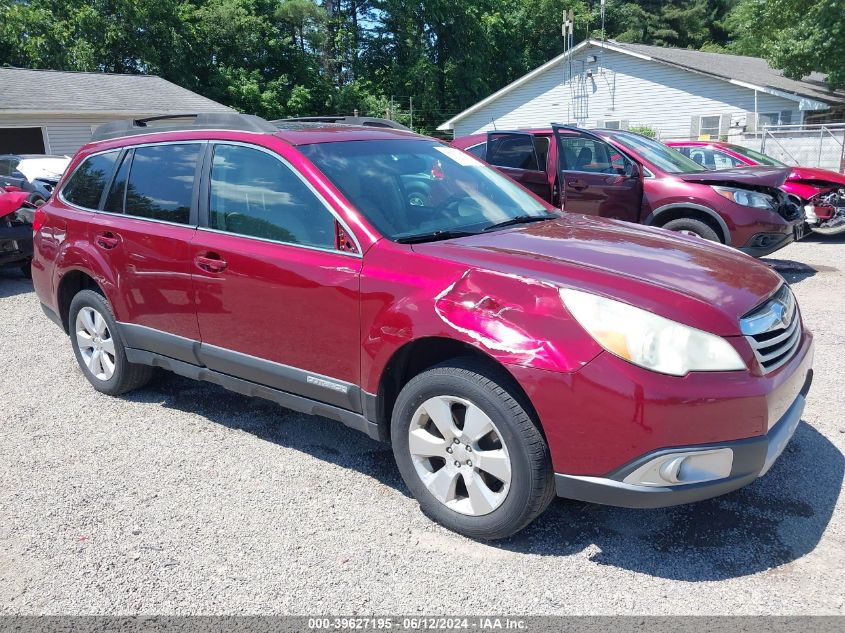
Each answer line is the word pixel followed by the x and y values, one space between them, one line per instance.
pixel 516 152
pixel 161 182
pixel 85 187
pixel 255 194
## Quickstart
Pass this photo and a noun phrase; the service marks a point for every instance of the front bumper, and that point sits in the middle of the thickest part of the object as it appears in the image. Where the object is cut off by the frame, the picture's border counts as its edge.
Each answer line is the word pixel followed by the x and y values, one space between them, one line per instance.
pixel 752 458
pixel 766 243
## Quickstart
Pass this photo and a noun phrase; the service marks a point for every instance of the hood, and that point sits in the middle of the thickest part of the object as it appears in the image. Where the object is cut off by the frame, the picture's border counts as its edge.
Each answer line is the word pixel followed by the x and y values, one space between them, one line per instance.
pixel 817 176
pixel 759 176
pixel 705 285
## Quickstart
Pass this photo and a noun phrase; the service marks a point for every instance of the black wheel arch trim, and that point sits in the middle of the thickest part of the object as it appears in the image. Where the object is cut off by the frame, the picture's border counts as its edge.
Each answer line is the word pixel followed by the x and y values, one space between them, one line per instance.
pixel 654 215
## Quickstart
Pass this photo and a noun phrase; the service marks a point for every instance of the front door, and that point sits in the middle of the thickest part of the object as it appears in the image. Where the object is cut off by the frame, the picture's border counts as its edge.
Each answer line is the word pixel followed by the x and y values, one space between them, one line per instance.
pixel 522 156
pixel 277 300
pixel 597 178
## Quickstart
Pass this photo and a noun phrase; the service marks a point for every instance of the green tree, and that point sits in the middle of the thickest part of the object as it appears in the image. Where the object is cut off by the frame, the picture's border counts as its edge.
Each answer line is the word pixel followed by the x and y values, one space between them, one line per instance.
pixel 798 36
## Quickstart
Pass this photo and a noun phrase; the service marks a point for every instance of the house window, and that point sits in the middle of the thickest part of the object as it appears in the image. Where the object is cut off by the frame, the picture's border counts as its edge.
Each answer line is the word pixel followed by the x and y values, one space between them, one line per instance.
pixel 710 126
pixel 784 117
pixel 613 125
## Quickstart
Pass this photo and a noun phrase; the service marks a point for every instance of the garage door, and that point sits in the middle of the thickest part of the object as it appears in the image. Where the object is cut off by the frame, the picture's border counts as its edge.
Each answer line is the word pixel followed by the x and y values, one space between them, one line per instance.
pixel 21 140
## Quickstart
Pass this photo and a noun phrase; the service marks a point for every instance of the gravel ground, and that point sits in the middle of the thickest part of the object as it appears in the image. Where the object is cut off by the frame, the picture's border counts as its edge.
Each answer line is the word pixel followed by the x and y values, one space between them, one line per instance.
pixel 182 499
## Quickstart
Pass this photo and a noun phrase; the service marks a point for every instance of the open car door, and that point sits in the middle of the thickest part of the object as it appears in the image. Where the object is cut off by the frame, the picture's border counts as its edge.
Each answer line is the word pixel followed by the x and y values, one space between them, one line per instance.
pixel 596 178
pixel 521 156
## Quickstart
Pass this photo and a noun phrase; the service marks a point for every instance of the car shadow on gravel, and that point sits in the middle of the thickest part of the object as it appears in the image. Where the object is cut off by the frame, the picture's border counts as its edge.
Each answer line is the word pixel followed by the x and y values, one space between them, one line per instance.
pixel 13 283
pixel 770 523
pixel 319 437
pixel 794 272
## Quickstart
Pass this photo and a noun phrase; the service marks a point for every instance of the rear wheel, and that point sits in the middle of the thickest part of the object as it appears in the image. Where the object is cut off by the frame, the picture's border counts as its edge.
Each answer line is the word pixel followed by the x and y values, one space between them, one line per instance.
pixel 690 226
pixel 469 452
pixel 99 347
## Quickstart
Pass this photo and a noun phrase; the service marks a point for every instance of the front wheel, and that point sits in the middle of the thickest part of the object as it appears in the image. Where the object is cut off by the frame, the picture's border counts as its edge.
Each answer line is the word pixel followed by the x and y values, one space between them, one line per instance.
pixel 690 226
pixel 469 452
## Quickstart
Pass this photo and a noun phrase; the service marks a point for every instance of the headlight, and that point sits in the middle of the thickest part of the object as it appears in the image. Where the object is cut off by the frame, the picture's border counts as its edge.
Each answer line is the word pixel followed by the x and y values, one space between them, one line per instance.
pixel 648 340
pixel 746 197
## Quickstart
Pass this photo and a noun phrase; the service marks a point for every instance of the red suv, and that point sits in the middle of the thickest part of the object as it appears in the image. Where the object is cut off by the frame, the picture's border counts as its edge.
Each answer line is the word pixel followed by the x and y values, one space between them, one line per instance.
pixel 619 174
pixel 820 191
pixel 509 352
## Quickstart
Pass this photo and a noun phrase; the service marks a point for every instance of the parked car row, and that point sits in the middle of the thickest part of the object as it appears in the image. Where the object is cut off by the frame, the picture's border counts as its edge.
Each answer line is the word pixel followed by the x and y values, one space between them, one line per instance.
pixel 820 192
pixel 508 352
pixel 623 175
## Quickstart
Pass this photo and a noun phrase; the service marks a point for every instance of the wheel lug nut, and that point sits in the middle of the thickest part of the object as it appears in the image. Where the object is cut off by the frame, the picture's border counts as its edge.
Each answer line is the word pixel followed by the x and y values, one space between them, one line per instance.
pixel 448 449
pixel 469 448
pixel 457 464
pixel 456 441
pixel 469 463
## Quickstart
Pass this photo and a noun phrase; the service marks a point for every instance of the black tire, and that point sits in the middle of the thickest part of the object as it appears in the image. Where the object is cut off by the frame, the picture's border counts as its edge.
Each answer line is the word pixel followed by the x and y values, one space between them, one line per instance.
pixel 36 199
pixel 126 376
pixel 697 227
pixel 493 391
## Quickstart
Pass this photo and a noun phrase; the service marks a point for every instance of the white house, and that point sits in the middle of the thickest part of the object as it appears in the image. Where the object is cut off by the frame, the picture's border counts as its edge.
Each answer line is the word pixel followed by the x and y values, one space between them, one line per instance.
pixel 53 112
pixel 680 93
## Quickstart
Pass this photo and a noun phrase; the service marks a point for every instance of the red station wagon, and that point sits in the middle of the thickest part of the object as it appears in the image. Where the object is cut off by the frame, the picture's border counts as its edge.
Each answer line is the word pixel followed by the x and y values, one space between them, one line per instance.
pixel 623 175
pixel 508 351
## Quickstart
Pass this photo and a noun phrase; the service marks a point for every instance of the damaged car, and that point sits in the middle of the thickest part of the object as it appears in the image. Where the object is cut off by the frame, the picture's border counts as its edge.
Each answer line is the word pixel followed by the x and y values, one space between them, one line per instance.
pixel 627 176
pixel 508 351
pixel 16 217
pixel 36 174
pixel 821 192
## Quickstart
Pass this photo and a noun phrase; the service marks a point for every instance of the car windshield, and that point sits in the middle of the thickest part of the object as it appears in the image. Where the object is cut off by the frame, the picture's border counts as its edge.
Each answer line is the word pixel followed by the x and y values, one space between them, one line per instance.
pixel 757 157
pixel 420 189
pixel 661 156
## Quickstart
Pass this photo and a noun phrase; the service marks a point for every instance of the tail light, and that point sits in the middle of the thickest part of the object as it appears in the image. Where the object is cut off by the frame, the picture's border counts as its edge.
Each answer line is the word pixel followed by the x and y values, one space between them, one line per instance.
pixel 39 219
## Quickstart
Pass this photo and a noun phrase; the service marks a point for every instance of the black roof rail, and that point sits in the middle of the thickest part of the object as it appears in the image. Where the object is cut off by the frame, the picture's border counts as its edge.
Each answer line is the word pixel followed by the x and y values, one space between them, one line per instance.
pixel 366 121
pixel 203 121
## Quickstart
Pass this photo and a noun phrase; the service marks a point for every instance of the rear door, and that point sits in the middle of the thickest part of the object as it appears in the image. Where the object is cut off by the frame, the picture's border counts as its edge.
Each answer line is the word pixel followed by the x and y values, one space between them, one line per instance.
pixel 523 157
pixel 143 235
pixel 597 178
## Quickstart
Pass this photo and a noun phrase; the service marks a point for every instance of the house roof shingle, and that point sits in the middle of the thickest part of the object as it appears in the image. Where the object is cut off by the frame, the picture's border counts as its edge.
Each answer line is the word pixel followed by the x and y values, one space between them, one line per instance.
pixel 751 70
pixel 83 92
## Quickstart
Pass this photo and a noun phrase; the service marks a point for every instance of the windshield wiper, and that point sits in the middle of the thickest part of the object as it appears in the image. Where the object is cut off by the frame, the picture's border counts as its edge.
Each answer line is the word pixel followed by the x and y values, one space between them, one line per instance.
pixel 434 236
pixel 520 219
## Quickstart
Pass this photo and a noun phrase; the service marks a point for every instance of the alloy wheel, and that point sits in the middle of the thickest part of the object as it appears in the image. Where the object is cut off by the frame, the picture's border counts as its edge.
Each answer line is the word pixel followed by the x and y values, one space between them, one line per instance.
pixel 460 455
pixel 95 342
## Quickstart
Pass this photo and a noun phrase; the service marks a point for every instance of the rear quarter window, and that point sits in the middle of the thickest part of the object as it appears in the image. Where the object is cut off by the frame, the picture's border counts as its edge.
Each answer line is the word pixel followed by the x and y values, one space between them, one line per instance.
pixel 85 187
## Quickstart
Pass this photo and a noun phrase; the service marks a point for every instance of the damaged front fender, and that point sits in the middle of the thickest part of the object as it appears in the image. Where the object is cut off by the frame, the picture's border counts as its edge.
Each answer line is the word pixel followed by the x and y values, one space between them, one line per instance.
pixel 516 320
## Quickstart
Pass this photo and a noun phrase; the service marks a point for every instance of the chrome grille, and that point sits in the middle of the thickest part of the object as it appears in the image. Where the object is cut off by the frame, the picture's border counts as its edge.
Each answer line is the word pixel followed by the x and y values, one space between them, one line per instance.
pixel 774 329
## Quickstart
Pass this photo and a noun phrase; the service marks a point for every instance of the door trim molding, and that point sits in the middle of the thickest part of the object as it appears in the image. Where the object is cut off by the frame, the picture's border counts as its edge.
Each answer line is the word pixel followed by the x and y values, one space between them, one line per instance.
pixel 309 384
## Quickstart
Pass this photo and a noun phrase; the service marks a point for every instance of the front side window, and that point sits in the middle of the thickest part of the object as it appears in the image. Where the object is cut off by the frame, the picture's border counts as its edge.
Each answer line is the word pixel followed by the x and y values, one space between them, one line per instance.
pixel 711 158
pixel 462 194
pixel 86 185
pixel 161 182
pixel 582 153
pixel 255 194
